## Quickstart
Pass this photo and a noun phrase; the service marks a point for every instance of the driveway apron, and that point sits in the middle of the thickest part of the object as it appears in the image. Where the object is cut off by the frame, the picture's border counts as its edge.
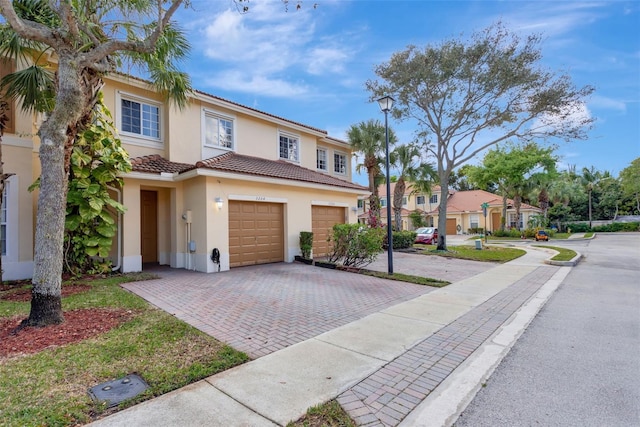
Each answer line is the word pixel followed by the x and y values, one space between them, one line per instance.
pixel 262 309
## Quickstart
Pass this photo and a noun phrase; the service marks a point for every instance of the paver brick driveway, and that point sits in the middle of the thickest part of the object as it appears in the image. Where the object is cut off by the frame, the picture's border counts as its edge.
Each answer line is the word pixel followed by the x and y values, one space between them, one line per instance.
pixel 261 309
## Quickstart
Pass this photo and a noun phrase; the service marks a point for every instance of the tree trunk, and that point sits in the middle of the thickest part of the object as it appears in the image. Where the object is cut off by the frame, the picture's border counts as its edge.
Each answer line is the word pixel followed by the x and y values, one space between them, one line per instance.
pixel 55 134
pixel 504 212
pixel 517 203
pixel 397 203
pixel 442 211
pixel 1 184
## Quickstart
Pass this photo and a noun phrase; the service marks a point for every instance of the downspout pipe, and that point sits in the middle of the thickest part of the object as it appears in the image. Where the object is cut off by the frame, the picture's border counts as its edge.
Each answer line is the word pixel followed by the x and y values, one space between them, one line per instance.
pixel 119 222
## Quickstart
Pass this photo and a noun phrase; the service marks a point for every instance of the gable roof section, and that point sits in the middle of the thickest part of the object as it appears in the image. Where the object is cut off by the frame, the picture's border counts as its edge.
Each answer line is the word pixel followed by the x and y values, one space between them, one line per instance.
pixel 471 201
pixel 241 164
pixel 248 165
pixel 158 164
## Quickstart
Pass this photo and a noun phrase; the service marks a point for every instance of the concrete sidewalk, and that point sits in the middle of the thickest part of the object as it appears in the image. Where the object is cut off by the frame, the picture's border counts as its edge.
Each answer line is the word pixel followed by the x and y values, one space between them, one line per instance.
pixel 415 363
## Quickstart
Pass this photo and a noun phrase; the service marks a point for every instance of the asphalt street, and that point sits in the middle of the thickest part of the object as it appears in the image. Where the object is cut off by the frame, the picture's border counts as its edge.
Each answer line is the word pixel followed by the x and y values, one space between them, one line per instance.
pixel 578 363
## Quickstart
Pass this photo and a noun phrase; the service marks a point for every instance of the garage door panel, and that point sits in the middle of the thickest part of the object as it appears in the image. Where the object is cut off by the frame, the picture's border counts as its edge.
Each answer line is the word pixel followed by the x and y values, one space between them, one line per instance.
pixel 259 231
pixel 323 218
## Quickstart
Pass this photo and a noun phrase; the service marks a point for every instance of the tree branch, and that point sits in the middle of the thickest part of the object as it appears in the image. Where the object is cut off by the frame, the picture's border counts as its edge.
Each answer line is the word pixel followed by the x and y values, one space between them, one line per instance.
pixel 142 46
pixel 27 29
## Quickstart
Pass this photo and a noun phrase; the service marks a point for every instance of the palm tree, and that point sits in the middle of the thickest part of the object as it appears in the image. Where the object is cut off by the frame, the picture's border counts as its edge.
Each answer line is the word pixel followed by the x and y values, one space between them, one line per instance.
pixel 88 43
pixel 588 179
pixel 424 179
pixel 368 139
pixel 403 158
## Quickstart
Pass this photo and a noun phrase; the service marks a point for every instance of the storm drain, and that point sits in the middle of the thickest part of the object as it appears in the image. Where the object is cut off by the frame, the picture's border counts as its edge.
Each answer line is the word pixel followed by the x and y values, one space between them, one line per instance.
pixel 116 391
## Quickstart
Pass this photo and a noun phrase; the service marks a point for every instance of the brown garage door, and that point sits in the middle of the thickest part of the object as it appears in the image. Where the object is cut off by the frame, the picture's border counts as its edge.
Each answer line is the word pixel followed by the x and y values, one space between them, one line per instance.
pixel 256 233
pixel 322 220
pixel 451 226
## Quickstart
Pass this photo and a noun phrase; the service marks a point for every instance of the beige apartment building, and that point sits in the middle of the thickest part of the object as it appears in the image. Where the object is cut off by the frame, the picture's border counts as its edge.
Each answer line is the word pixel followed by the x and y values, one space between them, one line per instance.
pixel 216 176
pixel 464 209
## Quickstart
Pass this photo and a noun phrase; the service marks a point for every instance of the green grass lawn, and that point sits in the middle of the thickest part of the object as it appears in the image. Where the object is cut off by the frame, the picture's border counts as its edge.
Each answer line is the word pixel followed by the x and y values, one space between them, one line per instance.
pixel 563 255
pixel 488 253
pixel 50 387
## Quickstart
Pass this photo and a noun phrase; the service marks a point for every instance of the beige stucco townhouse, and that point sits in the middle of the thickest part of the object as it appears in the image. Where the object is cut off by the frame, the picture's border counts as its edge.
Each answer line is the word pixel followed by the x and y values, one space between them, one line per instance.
pixel 464 209
pixel 217 175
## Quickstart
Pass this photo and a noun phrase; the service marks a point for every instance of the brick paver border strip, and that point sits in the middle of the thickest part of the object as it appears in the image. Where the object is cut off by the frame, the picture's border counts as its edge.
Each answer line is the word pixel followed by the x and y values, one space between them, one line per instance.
pixel 387 396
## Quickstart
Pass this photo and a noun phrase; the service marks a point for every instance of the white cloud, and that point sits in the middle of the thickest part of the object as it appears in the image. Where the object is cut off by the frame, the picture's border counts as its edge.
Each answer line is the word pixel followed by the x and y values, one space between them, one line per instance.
pixel 322 60
pixel 573 116
pixel 259 50
pixel 256 84
pixel 608 103
pixel 554 18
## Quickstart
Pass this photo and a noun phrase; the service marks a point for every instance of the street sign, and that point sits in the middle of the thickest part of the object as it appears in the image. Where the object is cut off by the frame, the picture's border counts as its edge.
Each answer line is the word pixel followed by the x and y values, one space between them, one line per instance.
pixel 484 206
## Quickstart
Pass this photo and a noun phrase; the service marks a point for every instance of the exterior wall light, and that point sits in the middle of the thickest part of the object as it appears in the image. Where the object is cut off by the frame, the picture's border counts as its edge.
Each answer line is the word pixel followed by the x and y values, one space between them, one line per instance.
pixel 219 202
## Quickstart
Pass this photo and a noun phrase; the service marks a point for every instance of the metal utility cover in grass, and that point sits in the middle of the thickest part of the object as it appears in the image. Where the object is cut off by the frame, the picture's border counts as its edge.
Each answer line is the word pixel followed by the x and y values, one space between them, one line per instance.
pixel 116 391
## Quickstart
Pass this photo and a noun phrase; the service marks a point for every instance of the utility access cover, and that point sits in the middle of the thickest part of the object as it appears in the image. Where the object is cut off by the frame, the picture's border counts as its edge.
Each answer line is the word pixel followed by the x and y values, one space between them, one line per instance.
pixel 116 391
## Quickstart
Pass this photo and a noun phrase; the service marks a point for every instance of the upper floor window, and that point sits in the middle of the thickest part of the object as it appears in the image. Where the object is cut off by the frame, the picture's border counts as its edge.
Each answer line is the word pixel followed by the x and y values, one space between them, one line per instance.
pixel 289 147
pixel 321 162
pixel 433 199
pixel 3 221
pixel 218 130
pixel 140 117
pixel 383 202
pixel 404 200
pixel 420 200
pixel 340 163
pixel 360 203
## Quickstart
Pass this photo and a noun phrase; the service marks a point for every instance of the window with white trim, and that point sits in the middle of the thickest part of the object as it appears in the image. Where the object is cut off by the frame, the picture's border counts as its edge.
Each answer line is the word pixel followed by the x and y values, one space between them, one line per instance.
pixel 474 221
pixel 321 159
pixel 218 131
pixel 289 147
pixel 420 200
pixel 404 200
pixel 383 203
pixel 360 203
pixel 513 223
pixel 3 220
pixel 433 199
pixel 140 117
pixel 340 163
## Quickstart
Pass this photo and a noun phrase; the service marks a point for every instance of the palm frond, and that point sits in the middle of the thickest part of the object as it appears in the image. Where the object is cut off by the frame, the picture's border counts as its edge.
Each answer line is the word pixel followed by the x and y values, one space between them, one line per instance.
pixel 33 86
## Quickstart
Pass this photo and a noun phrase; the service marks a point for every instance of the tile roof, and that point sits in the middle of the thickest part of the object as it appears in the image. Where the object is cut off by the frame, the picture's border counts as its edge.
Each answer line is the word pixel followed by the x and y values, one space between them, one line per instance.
pixel 158 164
pixel 248 165
pixel 241 164
pixel 470 201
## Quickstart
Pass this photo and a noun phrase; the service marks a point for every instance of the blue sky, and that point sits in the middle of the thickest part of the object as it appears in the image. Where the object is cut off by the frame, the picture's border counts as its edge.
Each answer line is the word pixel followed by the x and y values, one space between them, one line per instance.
pixel 310 65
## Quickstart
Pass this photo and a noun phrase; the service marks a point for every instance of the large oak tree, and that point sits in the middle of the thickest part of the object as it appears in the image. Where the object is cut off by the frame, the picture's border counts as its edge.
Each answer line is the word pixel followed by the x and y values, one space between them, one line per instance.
pixel 468 95
pixel 86 39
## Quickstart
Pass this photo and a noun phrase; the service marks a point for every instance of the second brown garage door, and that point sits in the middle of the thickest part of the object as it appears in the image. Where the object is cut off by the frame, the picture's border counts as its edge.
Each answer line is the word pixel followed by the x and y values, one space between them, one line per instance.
pixel 256 233
pixel 322 220
pixel 451 226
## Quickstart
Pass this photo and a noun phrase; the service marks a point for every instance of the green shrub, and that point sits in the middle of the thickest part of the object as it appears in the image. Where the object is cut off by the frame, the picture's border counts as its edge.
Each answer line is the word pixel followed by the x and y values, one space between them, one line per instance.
pixel 617 226
pixel 306 244
pixel 355 245
pixel 401 239
pixel 475 230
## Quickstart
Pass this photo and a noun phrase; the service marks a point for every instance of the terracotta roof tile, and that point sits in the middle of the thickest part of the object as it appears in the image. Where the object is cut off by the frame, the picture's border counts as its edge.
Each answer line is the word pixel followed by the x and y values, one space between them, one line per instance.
pixel 248 165
pixel 470 201
pixel 158 164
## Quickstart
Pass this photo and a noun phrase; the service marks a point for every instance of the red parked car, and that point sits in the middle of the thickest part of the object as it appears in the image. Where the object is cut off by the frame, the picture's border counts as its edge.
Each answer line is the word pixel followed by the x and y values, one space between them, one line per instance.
pixel 426 235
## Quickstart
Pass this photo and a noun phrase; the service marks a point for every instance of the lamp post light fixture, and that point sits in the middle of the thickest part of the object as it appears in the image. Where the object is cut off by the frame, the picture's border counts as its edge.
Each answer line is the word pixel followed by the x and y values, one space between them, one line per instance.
pixel 386 103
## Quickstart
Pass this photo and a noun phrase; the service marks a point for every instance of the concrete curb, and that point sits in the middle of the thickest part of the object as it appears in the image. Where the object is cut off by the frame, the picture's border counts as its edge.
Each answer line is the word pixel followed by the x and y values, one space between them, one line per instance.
pixel 444 406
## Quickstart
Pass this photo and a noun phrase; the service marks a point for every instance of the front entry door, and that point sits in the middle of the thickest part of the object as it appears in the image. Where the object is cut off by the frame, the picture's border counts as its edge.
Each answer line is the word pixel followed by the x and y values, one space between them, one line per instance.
pixel 149 225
